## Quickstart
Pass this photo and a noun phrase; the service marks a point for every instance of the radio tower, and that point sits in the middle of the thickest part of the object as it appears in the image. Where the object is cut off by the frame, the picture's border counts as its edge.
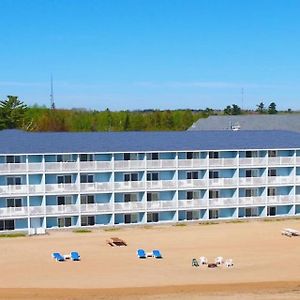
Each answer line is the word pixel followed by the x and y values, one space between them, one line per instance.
pixel 52 104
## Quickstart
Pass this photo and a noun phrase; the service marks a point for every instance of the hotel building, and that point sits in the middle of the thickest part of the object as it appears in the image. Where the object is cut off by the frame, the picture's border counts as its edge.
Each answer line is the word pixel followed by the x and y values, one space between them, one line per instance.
pixel 51 180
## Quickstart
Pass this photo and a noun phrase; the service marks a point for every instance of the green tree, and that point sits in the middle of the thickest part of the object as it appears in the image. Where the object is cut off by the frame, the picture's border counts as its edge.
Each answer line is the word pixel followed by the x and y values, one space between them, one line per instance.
pixel 228 110
pixel 12 113
pixel 261 108
pixel 272 108
pixel 236 110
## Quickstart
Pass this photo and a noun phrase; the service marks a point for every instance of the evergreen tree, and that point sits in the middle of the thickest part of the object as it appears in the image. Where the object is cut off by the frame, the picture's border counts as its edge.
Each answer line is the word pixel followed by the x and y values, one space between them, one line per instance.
pixel 261 108
pixel 272 108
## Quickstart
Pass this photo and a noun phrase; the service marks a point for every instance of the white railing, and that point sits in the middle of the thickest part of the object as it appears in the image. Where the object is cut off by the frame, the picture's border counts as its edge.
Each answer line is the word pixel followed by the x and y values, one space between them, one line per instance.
pixel 96 207
pixel 95 165
pixel 192 183
pixel 297 198
pixel 222 202
pixel 61 166
pixel 129 164
pixel 221 182
pixel 96 186
pixel 161 164
pixel 297 160
pixel 13 168
pixel 192 203
pixel 297 179
pixel 14 211
pixel 138 205
pixel 37 210
pixel 35 188
pixel 162 204
pixel 253 161
pixel 223 162
pixel 280 179
pixel 61 188
pixel 161 184
pixel 13 189
pixel 129 185
pixel 252 200
pixel 281 160
pixel 192 163
pixel 280 199
pixel 35 167
pixel 252 180
pixel 62 209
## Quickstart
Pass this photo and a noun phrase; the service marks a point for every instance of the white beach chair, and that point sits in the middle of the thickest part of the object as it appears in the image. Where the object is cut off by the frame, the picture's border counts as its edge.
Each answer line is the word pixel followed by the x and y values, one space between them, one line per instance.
pixel 229 263
pixel 291 232
pixel 219 260
pixel 203 260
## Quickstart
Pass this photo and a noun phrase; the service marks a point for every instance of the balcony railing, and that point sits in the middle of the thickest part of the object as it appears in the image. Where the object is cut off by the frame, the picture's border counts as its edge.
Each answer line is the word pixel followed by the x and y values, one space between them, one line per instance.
pixel 280 199
pixel 192 203
pixel 13 189
pixel 253 161
pixel 252 200
pixel 161 164
pixel 96 186
pixel 13 168
pixel 222 182
pixel 61 188
pixel 130 206
pixel 281 160
pixel 129 164
pixel 13 211
pixel 223 162
pixel 96 207
pixel 280 180
pixel 192 183
pixel 130 185
pixel 222 202
pixel 61 167
pixel 192 163
pixel 95 166
pixel 161 204
pixel 252 180
pixel 62 209
pixel 161 184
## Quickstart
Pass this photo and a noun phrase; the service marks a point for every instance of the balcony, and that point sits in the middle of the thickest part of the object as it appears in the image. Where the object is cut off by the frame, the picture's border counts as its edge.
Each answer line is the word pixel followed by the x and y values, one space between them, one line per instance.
pixel 280 180
pixel 223 162
pixel 222 202
pixel 280 199
pixel 192 183
pixel 96 207
pixel 10 190
pixel 61 188
pixel 62 209
pixel 96 186
pixel 192 163
pixel 161 184
pixel 13 212
pixel 273 161
pixel 37 210
pixel 252 181
pixel 161 164
pixel 192 203
pixel 129 164
pixel 253 161
pixel 95 166
pixel 130 206
pixel 256 200
pixel 157 205
pixel 61 167
pixel 222 182
pixel 130 185
pixel 13 168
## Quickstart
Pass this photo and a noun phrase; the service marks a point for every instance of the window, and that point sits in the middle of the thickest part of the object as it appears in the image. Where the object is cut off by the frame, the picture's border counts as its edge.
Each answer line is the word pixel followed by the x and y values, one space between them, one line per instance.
pixel 13 159
pixel 213 174
pixel 192 195
pixel 272 153
pixel 64 200
pixel 130 156
pixel 64 179
pixel 250 192
pixel 272 191
pixel 192 215
pixel 152 196
pixel 251 212
pixel 152 156
pixel 86 178
pixel 130 218
pixel 271 211
pixel 213 214
pixel 213 154
pixel 251 173
pixel 192 155
pixel 7 224
pixel 64 158
pixel 272 172
pixel 64 222
pixel 153 176
pixel 152 217
pixel 87 199
pixel 132 197
pixel 131 177
pixel 86 157
pixel 192 175
pixel 214 194
pixel 13 202
pixel 250 154
pixel 13 180
pixel 87 220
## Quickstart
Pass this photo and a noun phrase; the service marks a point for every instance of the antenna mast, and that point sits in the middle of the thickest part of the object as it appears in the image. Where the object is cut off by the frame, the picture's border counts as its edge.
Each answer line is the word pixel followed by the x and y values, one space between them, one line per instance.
pixel 52 104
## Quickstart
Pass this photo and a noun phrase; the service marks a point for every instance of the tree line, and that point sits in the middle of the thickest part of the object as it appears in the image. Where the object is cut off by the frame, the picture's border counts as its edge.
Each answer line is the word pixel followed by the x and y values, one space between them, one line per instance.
pixel 16 114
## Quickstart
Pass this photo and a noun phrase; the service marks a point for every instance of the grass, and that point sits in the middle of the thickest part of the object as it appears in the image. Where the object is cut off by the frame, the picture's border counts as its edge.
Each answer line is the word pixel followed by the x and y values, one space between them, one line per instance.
pixel 112 229
pixel 82 230
pixel 180 224
pixel 13 235
pixel 208 223
pixel 148 227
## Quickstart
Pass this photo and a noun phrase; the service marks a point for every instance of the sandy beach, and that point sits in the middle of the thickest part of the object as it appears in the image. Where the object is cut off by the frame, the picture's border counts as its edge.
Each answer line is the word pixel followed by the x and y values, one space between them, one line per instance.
pixel 265 263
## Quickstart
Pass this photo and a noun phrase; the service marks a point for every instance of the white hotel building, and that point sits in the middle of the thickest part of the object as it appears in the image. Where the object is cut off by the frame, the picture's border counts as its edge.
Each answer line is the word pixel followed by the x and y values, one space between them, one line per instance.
pixel 51 180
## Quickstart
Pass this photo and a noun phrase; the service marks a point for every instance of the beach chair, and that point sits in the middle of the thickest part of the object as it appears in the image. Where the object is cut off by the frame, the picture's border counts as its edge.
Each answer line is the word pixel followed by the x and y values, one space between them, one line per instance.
pixel 219 260
pixel 156 254
pixel 75 256
pixel 203 260
pixel 291 232
pixel 141 253
pixel 229 263
pixel 57 256
pixel 195 262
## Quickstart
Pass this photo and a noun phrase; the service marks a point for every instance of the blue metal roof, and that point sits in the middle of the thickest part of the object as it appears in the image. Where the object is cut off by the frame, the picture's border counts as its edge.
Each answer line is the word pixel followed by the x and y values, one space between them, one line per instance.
pixel 19 142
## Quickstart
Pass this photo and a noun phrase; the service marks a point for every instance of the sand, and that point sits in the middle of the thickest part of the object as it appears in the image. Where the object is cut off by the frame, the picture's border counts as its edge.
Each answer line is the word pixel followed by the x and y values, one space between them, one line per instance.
pixel 266 264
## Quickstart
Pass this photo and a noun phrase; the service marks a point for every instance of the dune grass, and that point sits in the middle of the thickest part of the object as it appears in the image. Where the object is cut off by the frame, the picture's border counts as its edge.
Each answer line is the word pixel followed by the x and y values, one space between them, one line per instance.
pixel 13 235
pixel 112 229
pixel 82 230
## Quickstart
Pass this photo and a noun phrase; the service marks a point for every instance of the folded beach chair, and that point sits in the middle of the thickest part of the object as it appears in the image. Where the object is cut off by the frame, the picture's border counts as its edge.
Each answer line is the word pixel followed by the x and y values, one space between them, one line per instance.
pixel 229 263
pixel 156 254
pixel 203 260
pixel 75 256
pixel 141 253
pixel 195 262
pixel 57 256
pixel 219 260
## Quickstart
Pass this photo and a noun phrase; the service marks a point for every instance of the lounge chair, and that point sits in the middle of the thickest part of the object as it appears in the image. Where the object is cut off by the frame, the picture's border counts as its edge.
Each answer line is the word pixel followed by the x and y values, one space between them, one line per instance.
pixel 57 256
pixel 229 263
pixel 219 260
pixel 195 262
pixel 141 253
pixel 156 254
pixel 75 256
pixel 203 260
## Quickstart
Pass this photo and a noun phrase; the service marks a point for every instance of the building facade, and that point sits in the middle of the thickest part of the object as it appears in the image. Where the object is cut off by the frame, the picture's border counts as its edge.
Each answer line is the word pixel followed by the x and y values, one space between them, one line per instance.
pixel 51 180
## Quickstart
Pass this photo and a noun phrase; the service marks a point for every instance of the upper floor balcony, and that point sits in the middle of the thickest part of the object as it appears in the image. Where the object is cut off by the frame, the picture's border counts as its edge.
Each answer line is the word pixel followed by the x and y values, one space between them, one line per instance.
pixel 214 202
pixel 255 200
pixel 280 199
pixel 252 181
pixel 253 161
pixel 192 163
pixel 222 182
pixel 192 203
pixel 223 162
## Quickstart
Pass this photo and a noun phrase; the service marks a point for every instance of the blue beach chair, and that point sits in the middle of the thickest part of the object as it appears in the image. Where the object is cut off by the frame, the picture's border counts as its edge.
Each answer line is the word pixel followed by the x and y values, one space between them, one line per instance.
pixel 75 256
pixel 57 256
pixel 141 253
pixel 156 254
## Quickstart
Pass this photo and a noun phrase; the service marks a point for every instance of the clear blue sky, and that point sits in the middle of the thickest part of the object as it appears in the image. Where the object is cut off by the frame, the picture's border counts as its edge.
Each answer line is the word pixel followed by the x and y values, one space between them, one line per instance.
pixel 151 54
